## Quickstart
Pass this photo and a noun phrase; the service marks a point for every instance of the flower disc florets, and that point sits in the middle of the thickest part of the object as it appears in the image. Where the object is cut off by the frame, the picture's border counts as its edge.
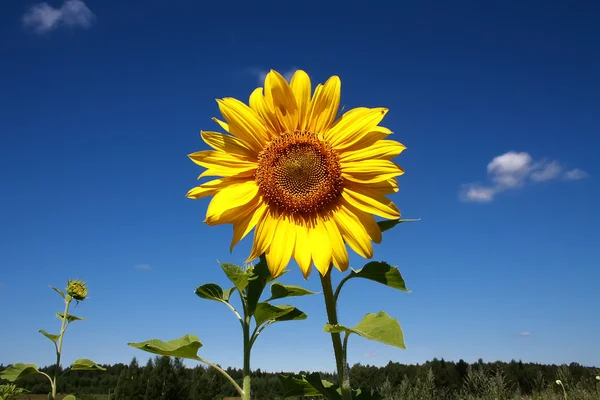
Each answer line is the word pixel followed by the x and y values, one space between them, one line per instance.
pixel 77 289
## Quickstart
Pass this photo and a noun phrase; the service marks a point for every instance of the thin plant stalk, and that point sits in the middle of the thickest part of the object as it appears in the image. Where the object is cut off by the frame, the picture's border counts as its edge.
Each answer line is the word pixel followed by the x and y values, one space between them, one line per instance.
pixel 338 348
pixel 63 327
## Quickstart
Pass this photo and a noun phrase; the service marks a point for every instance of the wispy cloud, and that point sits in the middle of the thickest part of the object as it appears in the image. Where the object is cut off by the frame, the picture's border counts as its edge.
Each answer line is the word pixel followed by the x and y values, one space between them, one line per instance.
pixel 142 266
pixel 514 170
pixel 43 18
pixel 525 333
pixel 261 74
pixel 370 354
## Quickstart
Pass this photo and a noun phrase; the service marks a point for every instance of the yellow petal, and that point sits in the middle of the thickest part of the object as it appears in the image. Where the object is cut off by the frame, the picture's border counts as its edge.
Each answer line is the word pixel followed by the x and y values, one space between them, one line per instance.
pixel 258 104
pixel 319 245
pixel 243 226
pixel 302 253
pixel 280 251
pixel 324 105
pixel 229 144
pixel 228 199
pixel 353 126
pixel 370 201
pixel 280 95
pixel 222 164
pixel 382 150
pixel 375 134
pixel 301 88
pixel 244 123
pixel 339 252
pixel 221 124
pixel 368 222
pixel 263 235
pixel 370 171
pixel 353 232
pixel 210 188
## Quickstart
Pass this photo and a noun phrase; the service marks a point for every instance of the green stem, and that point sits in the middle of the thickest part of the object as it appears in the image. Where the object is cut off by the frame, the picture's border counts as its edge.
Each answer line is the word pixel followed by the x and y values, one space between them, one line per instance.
pixel 225 374
pixel 247 349
pixel 338 349
pixel 63 327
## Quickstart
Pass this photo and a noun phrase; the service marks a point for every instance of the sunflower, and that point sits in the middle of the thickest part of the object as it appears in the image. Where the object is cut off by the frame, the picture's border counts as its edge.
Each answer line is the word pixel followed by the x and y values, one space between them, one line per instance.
pixel 307 182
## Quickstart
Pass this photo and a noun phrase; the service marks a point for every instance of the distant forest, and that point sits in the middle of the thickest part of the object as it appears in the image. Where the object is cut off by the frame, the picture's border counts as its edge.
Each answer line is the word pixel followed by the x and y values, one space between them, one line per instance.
pixel 167 378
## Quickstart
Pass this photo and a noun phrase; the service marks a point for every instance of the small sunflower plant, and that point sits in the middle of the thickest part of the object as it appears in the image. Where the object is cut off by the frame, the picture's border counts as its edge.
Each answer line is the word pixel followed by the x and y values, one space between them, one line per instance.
pixel 75 290
pixel 309 183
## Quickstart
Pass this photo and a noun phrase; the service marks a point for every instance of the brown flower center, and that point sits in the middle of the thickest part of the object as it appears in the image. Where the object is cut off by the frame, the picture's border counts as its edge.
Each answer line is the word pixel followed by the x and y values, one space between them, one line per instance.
pixel 299 174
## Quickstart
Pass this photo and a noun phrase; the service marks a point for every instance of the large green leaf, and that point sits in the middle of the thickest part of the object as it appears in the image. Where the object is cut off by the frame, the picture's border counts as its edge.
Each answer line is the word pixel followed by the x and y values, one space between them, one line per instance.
pixel 58 291
pixel 186 347
pixel 309 385
pixel 18 371
pixel 280 291
pixel 83 364
pixel 50 336
pixel 70 318
pixel 389 224
pixel 382 272
pixel 70 397
pixel 212 291
pixel 260 277
pixel 268 312
pixel 236 275
pixel 294 315
pixel 379 327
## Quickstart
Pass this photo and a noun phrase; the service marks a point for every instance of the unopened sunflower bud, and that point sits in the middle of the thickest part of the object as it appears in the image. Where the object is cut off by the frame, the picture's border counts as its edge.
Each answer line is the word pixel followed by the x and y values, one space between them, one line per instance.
pixel 598 377
pixel 77 289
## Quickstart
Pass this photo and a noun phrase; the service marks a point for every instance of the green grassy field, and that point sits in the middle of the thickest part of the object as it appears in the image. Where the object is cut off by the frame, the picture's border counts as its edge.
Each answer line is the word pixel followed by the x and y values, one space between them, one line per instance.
pixel 59 397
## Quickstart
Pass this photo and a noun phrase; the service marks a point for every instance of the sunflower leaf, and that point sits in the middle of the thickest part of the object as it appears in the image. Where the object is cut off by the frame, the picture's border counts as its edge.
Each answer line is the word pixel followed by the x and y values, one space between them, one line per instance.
pixel 83 364
pixel 58 291
pixel 379 327
pixel 70 318
pixel 309 385
pixel 50 336
pixel 268 312
pixel 69 397
pixel 185 347
pixel 18 371
pixel 212 291
pixel 236 275
pixel 382 272
pixel 260 277
pixel 280 291
pixel 389 224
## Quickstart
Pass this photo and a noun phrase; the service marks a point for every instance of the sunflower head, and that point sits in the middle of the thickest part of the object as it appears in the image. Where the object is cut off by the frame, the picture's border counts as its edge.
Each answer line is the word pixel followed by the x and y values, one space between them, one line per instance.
pixel 308 182
pixel 77 289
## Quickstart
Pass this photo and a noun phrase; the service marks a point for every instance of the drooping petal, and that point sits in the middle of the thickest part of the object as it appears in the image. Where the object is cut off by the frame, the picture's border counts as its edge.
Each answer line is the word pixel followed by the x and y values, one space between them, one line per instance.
pixel 244 123
pixel 279 94
pixel 301 88
pixel 353 232
pixel 368 222
pixel 211 188
pixel 229 144
pixel 263 235
pixel 338 248
pixel 382 150
pixel 222 164
pixel 245 224
pixel 368 139
pixel 302 253
pixel 353 125
pixel 319 244
pixel 229 198
pixel 324 105
pixel 280 251
pixel 370 201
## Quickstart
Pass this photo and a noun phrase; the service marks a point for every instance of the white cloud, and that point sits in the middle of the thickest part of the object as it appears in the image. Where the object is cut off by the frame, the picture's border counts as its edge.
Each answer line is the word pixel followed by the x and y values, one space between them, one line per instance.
pixel 42 17
pixel 525 333
pixel 575 174
pixel 142 266
pixel 513 170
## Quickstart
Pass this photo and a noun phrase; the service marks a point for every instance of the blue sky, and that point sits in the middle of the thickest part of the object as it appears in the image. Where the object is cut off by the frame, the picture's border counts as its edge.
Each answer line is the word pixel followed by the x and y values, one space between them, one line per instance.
pixel 497 104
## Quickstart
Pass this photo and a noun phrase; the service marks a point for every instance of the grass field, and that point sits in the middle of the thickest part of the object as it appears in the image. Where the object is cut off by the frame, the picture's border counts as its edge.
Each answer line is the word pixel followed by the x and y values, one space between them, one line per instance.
pixel 59 397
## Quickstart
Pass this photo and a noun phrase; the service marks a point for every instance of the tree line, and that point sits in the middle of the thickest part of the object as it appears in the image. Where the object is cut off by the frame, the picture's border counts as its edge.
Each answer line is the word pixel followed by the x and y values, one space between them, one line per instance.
pixel 168 378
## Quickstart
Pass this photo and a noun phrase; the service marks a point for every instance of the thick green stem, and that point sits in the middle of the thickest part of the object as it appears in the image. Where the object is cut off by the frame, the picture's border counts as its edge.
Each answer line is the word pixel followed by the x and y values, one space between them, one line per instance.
pixel 340 354
pixel 60 343
pixel 247 350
